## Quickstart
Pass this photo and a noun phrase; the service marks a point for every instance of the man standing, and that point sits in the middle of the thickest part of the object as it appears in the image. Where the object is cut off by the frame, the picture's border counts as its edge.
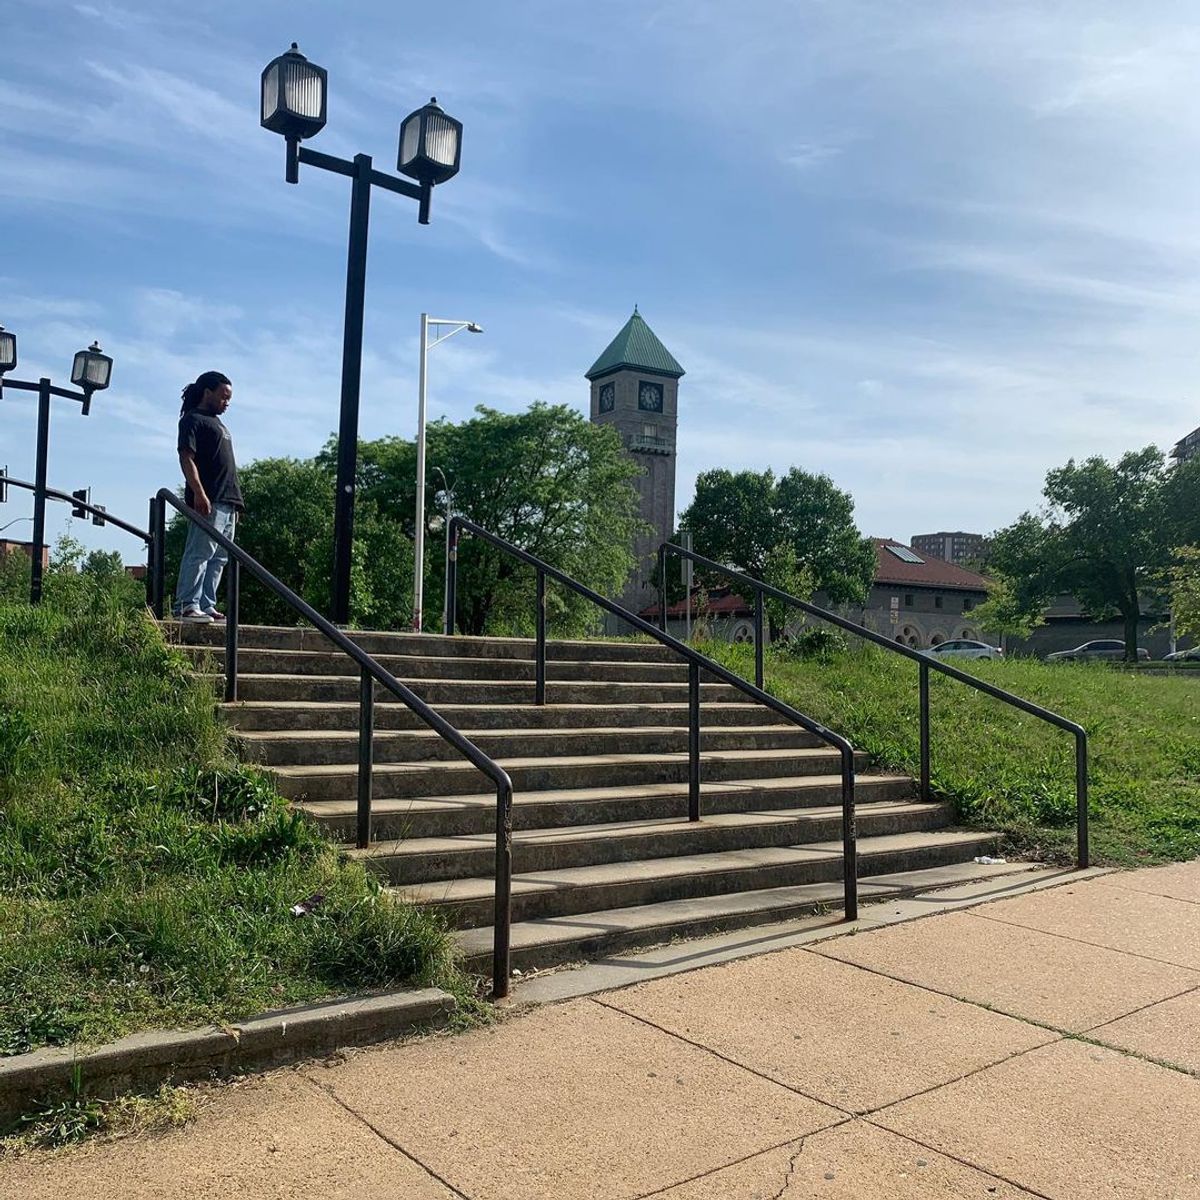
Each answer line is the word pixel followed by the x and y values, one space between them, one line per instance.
pixel 210 474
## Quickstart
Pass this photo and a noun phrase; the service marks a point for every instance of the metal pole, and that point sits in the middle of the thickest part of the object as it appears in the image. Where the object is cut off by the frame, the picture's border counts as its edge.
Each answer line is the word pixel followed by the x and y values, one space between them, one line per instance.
pixel 539 696
pixel 693 741
pixel 451 580
pixel 662 588
pixel 686 538
pixel 38 548
pixel 366 748
pixel 419 537
pixel 923 669
pixel 502 918
pixel 758 639
pixel 232 600
pixel 1083 856
pixel 446 581
pixel 158 530
pixel 356 287
pixel 150 558
pixel 849 841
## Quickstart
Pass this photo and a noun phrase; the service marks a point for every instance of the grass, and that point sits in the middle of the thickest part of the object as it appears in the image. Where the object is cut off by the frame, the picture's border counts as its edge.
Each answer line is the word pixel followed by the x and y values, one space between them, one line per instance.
pixel 146 877
pixel 1012 772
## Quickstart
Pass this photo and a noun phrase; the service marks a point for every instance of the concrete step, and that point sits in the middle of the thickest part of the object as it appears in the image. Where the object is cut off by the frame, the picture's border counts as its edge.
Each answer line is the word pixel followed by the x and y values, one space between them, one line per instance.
pixel 425 860
pixel 433 778
pixel 321 747
pixel 260 716
pixel 409 669
pixel 573 890
pixel 446 816
pixel 332 688
pixel 551 941
pixel 286 637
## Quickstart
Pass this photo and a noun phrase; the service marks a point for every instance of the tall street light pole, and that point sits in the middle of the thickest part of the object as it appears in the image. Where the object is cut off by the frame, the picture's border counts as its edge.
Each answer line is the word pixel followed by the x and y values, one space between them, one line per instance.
pixel 294 105
pixel 91 372
pixel 419 540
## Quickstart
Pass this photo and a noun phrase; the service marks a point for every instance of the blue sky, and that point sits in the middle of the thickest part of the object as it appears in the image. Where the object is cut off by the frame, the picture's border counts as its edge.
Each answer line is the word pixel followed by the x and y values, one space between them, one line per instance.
pixel 932 249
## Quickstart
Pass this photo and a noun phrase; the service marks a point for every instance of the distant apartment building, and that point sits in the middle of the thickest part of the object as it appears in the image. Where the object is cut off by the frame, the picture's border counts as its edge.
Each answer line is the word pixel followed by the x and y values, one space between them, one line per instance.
pixel 8 546
pixel 1186 447
pixel 957 547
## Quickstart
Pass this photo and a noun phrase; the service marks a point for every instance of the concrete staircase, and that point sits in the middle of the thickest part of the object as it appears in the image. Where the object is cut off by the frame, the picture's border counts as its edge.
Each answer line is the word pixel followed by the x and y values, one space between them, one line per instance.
pixel 604 856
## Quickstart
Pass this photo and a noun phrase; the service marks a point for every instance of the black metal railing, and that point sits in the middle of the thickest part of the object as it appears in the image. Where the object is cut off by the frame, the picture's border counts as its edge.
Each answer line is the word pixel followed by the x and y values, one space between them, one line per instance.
pixel 924 662
pixel 370 673
pixel 696 662
pixel 92 509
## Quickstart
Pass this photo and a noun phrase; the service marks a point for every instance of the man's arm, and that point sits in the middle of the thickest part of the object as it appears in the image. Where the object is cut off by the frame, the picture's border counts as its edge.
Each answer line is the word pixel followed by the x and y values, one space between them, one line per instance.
pixel 200 501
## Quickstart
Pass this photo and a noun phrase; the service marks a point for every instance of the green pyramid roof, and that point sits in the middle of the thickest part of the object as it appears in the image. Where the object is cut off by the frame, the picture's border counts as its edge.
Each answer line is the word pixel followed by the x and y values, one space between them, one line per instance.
pixel 636 347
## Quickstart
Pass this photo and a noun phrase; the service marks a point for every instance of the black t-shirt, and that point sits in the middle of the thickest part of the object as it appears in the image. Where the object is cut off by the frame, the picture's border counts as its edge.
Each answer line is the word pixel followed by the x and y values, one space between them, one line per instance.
pixel 209 440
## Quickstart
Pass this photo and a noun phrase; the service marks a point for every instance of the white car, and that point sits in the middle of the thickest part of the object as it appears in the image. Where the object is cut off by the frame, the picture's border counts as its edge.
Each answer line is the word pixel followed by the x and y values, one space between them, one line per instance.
pixel 1101 650
pixel 1190 655
pixel 964 648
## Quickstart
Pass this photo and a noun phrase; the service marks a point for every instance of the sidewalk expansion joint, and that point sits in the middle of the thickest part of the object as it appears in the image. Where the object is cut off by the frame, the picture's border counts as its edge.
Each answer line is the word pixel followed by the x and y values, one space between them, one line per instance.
pixel 1165 962
pixel 733 1062
pixel 390 1141
pixel 962 1162
pixel 1113 880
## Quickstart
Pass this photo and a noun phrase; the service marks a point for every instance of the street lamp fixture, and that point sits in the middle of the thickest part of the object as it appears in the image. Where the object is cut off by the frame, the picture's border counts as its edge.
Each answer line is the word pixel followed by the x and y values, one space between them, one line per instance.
pixel 419 531
pixel 294 101
pixel 91 372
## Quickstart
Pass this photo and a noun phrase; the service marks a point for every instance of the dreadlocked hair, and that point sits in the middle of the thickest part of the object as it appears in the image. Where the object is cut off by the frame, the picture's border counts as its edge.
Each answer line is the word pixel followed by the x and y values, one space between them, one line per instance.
pixel 194 392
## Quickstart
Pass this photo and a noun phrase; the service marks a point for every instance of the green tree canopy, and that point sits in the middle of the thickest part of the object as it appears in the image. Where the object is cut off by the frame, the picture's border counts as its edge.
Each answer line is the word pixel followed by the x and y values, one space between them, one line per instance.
pixel 546 479
pixel 743 518
pixel 1185 591
pixel 1106 536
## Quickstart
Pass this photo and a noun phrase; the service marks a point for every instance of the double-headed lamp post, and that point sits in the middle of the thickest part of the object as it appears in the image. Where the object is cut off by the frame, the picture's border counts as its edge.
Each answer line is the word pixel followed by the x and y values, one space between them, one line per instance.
pixel 90 372
pixel 294 106
pixel 419 542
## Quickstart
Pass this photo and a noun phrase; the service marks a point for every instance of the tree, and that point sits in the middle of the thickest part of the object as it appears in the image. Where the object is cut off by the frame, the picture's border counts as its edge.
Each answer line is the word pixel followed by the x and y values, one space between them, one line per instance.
pixel 288 527
pixel 1002 612
pixel 546 479
pixel 1106 536
pixel 743 518
pixel 1184 577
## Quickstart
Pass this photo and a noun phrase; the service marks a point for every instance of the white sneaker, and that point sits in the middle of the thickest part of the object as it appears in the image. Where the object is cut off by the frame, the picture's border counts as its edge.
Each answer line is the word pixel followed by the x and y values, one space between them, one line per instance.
pixel 193 616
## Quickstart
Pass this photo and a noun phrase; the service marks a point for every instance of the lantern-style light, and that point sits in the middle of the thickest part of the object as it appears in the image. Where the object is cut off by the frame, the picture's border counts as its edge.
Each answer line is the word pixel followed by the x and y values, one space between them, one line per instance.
pixel 430 145
pixel 92 369
pixel 293 96
pixel 8 350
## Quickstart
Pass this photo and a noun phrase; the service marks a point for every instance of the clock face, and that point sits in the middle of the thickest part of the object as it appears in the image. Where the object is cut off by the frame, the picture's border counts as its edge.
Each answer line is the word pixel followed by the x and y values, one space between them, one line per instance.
pixel 608 397
pixel 650 397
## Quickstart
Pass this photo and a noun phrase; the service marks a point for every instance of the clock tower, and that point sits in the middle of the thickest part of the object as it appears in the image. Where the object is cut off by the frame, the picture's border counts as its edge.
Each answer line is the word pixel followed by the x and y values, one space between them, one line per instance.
pixel 635 387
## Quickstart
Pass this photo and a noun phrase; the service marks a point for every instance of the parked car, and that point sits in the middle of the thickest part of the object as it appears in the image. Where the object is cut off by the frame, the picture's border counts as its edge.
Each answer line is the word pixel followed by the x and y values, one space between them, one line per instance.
pixel 964 648
pixel 1104 649
pixel 1191 655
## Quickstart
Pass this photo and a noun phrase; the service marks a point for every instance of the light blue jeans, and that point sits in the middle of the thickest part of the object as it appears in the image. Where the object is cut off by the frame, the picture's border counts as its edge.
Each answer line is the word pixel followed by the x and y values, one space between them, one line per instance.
pixel 203 561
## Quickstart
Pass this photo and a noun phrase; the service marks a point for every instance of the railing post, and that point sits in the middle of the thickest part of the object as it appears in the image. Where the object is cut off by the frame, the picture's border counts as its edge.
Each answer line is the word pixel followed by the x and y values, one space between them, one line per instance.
pixel 150 558
pixel 232 599
pixel 366 750
pixel 1083 855
pixel 540 686
pixel 849 839
pixel 662 588
pixel 693 741
pixel 758 639
pixel 502 918
pixel 451 577
pixel 158 530
pixel 923 669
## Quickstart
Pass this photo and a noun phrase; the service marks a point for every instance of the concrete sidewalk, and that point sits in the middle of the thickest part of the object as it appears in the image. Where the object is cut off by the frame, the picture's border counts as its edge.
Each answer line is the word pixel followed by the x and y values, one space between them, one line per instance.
pixel 1042 1045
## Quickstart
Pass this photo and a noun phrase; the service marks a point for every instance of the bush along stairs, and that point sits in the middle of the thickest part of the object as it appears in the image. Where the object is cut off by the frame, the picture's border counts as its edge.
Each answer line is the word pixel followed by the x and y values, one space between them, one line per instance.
pixel 604 857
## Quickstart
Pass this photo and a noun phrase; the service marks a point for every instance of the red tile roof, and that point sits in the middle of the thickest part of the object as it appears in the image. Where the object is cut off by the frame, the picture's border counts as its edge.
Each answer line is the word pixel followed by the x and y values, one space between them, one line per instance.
pixel 930 572
pixel 722 602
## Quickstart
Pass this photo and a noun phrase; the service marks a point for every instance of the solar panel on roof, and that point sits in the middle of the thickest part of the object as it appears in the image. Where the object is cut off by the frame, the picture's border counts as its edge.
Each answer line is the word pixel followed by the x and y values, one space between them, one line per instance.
pixel 904 554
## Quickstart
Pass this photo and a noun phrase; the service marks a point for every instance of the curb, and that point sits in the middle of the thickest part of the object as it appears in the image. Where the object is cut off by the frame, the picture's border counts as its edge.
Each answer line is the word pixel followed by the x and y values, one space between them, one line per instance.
pixel 145 1060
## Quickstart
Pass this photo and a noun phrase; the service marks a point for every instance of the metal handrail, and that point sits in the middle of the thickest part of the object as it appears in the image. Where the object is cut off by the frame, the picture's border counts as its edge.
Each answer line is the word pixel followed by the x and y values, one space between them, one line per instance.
pixel 55 494
pixel 924 662
pixel 696 661
pixel 370 671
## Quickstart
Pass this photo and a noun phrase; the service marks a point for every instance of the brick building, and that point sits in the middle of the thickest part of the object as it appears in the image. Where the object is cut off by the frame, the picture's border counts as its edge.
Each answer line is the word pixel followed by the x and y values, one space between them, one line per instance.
pixel 957 547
